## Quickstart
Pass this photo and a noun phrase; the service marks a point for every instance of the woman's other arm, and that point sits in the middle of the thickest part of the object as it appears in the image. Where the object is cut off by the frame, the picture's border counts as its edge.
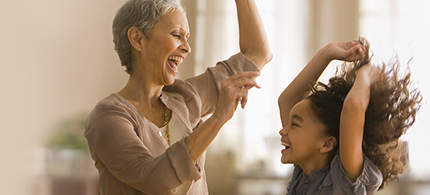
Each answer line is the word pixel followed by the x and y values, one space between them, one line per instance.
pixel 252 35
pixel 348 51
pixel 228 100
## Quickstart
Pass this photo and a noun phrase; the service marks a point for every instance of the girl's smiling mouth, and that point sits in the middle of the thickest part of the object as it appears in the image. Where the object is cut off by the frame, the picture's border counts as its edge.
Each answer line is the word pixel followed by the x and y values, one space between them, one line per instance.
pixel 287 145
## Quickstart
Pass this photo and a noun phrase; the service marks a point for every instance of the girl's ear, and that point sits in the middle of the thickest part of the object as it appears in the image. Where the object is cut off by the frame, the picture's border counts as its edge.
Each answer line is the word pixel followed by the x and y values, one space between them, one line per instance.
pixel 135 37
pixel 329 145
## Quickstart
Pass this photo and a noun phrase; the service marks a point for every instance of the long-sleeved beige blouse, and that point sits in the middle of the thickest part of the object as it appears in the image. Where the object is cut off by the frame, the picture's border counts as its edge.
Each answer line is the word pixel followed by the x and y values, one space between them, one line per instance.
pixel 129 154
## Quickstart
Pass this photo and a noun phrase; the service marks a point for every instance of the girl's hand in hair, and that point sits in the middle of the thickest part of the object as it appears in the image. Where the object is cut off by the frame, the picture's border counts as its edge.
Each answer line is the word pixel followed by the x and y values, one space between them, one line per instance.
pixel 347 51
pixel 368 73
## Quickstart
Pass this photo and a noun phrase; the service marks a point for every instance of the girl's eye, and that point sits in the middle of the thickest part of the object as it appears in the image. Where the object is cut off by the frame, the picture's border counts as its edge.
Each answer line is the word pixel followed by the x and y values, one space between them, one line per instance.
pixel 294 125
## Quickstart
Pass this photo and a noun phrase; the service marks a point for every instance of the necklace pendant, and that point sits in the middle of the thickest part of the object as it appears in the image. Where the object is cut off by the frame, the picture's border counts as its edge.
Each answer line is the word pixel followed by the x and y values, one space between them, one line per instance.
pixel 166 123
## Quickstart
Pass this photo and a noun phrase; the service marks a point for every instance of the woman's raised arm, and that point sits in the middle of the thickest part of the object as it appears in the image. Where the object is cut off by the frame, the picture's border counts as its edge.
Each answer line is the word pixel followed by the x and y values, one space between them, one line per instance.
pixel 252 35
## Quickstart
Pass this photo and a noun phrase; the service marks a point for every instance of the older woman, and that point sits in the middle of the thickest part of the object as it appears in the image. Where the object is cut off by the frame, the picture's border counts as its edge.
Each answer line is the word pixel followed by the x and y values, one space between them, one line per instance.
pixel 149 138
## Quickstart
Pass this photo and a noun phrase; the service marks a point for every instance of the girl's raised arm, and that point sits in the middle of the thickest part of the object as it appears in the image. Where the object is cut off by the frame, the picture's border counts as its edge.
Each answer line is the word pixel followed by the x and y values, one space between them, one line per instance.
pixel 300 86
pixel 352 121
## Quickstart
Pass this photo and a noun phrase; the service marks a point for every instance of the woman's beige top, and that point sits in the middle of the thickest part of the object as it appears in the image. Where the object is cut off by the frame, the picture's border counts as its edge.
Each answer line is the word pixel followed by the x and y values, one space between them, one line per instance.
pixel 177 133
pixel 179 129
pixel 129 153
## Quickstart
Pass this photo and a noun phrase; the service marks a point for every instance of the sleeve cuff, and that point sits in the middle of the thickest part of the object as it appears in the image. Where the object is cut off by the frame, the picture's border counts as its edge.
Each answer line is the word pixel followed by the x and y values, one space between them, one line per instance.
pixel 182 163
pixel 370 176
pixel 242 62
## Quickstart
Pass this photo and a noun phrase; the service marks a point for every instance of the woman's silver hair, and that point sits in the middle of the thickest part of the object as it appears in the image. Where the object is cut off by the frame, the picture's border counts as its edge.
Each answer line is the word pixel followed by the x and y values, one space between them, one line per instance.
pixel 142 14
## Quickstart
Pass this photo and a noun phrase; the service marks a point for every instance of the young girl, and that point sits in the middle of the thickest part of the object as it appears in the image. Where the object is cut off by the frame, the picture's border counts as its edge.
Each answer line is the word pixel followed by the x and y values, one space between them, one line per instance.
pixel 343 137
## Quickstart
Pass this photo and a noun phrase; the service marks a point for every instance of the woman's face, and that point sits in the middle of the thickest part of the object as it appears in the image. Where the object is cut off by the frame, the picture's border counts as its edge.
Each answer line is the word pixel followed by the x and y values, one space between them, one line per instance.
pixel 302 136
pixel 165 49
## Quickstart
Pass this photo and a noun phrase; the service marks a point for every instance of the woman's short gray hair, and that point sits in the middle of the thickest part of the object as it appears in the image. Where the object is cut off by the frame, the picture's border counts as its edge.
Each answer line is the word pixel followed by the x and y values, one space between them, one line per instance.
pixel 142 14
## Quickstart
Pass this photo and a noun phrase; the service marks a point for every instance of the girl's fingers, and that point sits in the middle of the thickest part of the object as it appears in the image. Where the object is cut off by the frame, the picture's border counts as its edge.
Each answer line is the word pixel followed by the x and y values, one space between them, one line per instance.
pixel 355 42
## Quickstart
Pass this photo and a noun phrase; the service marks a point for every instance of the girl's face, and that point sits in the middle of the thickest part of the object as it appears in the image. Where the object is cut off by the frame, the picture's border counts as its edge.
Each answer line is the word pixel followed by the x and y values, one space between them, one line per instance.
pixel 165 49
pixel 302 136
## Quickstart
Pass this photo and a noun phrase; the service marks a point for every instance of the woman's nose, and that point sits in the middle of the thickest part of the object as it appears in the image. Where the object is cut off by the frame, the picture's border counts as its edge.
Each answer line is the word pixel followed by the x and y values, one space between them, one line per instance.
pixel 186 47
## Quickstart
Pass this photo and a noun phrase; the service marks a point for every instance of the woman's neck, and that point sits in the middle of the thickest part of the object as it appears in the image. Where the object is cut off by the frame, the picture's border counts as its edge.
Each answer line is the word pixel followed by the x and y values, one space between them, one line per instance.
pixel 145 96
pixel 141 92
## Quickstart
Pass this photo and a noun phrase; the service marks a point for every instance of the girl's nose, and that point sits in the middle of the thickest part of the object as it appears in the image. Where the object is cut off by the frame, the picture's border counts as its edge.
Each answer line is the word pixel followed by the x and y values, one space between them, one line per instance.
pixel 282 132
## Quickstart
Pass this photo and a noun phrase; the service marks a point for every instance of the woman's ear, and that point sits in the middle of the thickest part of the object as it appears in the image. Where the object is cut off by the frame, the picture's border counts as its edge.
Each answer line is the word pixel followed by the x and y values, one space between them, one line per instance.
pixel 329 144
pixel 135 37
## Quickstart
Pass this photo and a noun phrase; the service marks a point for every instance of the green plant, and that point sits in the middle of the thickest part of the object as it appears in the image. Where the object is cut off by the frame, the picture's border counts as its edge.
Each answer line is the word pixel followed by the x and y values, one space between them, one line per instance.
pixel 69 134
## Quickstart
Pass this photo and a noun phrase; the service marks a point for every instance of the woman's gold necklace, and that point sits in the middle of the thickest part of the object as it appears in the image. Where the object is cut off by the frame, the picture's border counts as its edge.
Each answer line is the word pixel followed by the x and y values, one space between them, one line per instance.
pixel 166 123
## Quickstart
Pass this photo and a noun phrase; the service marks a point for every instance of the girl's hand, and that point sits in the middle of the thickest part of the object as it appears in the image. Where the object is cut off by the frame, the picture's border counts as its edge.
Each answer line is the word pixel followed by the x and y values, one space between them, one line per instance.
pixel 369 73
pixel 347 51
pixel 233 90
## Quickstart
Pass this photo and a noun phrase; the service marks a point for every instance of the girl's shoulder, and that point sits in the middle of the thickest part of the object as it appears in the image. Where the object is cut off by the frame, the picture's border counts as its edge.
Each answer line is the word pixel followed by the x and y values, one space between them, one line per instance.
pixel 369 180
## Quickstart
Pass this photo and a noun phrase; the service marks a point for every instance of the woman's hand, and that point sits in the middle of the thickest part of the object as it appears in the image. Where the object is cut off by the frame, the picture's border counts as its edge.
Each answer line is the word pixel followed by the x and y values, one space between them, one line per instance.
pixel 347 51
pixel 233 90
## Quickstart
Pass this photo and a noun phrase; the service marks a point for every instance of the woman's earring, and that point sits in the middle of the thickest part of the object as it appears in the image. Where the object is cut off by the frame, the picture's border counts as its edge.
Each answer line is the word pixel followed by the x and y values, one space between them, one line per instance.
pixel 138 49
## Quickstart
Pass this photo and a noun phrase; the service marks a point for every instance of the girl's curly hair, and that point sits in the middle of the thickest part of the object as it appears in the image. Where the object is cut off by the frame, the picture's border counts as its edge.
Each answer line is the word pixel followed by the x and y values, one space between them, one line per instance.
pixel 392 108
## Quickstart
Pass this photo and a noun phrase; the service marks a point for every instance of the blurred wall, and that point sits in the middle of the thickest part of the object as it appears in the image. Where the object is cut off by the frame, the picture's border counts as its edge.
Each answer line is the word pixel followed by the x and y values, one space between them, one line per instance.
pixel 57 59
pixel 332 20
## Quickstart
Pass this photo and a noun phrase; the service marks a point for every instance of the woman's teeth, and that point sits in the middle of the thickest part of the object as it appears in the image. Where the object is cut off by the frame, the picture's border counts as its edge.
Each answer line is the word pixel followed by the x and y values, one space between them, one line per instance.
pixel 176 59
pixel 174 62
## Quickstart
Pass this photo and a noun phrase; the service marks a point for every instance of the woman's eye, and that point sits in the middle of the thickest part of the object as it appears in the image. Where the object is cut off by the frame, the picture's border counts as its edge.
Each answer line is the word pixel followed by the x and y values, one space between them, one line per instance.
pixel 177 36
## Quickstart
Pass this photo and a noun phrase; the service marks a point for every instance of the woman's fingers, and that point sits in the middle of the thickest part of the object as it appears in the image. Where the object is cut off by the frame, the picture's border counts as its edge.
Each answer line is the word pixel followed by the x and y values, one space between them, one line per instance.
pixel 244 99
pixel 245 81
pixel 234 90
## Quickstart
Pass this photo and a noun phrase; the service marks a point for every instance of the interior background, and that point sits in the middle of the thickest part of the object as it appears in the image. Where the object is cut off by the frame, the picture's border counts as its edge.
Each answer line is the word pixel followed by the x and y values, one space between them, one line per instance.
pixel 57 61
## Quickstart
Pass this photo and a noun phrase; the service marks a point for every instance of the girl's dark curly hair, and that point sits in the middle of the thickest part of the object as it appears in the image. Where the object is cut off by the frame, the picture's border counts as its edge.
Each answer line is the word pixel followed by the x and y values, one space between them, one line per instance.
pixel 392 108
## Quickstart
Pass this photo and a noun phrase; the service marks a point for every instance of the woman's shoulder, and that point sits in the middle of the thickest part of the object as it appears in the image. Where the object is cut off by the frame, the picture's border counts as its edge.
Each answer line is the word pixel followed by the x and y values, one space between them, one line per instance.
pixel 113 104
pixel 181 88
